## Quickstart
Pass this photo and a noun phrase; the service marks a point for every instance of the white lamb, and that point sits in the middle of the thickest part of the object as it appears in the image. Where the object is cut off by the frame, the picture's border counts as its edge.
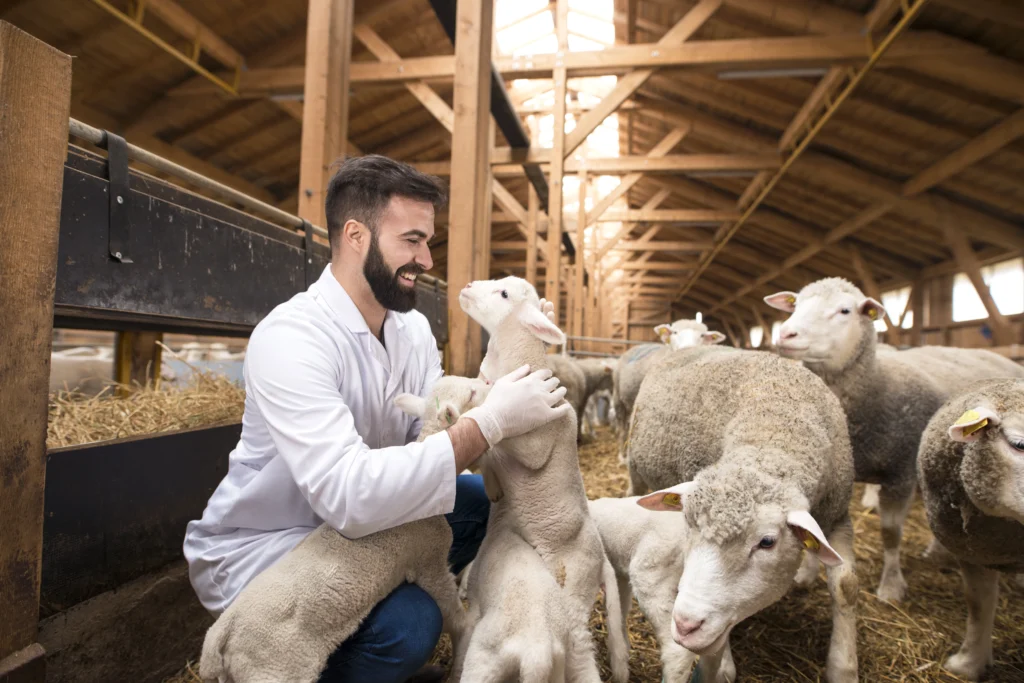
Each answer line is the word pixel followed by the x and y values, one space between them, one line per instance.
pixel 286 623
pixel 541 494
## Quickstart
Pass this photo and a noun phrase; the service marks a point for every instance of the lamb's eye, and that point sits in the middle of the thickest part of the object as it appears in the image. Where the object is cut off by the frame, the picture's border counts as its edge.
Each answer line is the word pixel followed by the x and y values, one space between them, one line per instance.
pixel 504 294
pixel 1017 445
pixel 767 543
pixel 844 311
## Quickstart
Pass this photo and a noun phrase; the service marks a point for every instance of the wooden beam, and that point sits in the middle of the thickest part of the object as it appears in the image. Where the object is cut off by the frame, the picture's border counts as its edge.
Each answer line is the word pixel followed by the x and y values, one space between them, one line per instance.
pixel 179 19
pixel 917 301
pixel 870 287
pixel 325 109
pixel 665 246
pixel 468 228
pixel 137 360
pixel 881 14
pixel 628 84
pixel 552 284
pixel 675 163
pixel 533 207
pixel 693 216
pixel 35 88
pixel 581 224
pixel 1001 14
pixel 673 267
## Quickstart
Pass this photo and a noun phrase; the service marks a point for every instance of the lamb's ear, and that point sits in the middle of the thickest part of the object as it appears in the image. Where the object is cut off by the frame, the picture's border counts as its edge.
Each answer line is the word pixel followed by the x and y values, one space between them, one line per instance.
pixel 872 309
pixel 712 338
pixel 411 405
pixel 667 500
pixel 809 533
pixel 540 326
pixel 448 413
pixel 784 301
pixel 664 332
pixel 968 426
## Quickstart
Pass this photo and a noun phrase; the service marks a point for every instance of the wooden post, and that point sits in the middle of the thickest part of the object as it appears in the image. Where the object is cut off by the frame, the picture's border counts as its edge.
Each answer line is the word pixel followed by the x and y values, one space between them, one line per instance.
pixel 552 285
pixel 533 207
pixel 917 301
pixel 871 289
pixel 35 92
pixel 732 335
pixel 137 359
pixel 325 107
pixel 579 299
pixel 766 329
pixel 468 229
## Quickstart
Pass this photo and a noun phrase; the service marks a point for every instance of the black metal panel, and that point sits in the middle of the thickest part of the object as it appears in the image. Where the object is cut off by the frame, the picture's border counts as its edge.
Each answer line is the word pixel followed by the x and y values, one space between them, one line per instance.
pixel 118 509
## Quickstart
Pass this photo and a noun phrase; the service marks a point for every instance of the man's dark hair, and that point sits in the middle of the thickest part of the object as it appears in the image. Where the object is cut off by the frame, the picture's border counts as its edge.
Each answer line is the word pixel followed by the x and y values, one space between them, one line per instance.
pixel 362 187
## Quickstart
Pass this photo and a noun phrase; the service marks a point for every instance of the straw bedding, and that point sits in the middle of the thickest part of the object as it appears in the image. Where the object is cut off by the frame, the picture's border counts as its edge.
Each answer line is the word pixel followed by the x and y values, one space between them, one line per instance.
pixel 787 642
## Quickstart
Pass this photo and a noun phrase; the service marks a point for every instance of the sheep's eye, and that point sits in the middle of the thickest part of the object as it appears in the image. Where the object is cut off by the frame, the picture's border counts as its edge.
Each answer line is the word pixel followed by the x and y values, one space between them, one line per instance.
pixel 504 294
pixel 767 543
pixel 844 311
pixel 1017 445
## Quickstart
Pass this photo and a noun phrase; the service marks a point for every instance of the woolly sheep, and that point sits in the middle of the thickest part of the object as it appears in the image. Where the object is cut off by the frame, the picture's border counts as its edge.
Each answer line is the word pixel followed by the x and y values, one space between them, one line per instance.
pixel 889 396
pixel 634 365
pixel 597 374
pixel 538 475
pixel 971 469
pixel 290 618
pixel 763 452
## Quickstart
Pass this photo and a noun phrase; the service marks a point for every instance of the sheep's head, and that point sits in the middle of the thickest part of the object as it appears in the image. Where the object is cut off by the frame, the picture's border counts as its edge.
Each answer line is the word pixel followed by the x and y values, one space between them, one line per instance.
pixel 992 434
pixel 448 400
pixel 684 333
pixel 830 325
pixel 489 302
pixel 743 541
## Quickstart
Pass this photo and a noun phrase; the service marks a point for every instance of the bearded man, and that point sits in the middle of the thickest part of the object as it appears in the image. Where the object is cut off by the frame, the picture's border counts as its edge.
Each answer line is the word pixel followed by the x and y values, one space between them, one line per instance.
pixel 322 440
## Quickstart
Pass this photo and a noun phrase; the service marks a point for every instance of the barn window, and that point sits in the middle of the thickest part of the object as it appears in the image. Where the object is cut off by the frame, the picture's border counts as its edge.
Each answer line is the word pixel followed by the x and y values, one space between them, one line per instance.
pixel 756 336
pixel 776 326
pixel 895 301
pixel 1005 281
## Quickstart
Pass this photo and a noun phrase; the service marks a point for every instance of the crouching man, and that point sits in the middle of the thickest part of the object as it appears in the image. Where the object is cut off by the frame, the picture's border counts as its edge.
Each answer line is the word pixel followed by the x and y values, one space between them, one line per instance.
pixel 321 439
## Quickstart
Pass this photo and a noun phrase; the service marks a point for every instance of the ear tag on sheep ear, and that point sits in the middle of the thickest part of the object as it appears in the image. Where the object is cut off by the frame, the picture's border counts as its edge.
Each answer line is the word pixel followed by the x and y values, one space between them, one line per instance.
pixel 672 500
pixel 807 538
pixel 971 416
pixel 791 300
pixel 873 313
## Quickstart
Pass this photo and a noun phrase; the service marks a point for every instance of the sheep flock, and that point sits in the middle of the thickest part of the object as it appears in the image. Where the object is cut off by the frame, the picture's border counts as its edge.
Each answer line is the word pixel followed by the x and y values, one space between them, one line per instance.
pixel 711 528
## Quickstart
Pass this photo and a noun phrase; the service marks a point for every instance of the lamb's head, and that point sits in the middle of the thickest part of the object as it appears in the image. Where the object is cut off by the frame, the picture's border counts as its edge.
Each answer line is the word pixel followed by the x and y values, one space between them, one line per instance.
pixel 449 399
pixel 992 434
pixel 743 539
pixel 490 301
pixel 832 323
pixel 684 333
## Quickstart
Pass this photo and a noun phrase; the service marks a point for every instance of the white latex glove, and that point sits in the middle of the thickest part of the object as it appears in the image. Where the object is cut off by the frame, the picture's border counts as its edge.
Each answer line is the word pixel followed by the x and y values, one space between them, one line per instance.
pixel 547 308
pixel 519 402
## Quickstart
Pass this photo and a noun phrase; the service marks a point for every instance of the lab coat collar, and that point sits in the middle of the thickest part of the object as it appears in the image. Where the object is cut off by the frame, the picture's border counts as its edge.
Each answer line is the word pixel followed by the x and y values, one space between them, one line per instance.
pixel 342 305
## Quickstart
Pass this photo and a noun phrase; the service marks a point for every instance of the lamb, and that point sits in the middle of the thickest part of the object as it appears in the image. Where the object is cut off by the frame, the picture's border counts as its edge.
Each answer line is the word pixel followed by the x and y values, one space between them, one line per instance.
pixel 634 365
pixel 541 494
pixel 888 396
pixel 971 473
pixel 597 374
pixel 763 452
pixel 286 623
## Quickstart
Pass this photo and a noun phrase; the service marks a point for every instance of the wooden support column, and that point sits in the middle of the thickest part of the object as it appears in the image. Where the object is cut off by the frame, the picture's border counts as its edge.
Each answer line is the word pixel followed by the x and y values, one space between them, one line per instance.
pixel 35 92
pixel 581 222
pixel 870 286
pixel 917 301
pixel 732 335
pixel 137 359
pixel 552 285
pixel 325 106
pixel 533 207
pixel 468 234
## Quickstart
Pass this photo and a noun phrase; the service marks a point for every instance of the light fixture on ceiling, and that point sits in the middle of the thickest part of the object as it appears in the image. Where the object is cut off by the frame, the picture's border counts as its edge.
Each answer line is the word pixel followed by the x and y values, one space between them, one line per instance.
pixel 771 73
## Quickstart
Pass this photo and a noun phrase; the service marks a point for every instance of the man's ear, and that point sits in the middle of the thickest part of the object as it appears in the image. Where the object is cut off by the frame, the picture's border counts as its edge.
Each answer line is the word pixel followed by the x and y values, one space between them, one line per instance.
pixel 356 234
pixel 806 529
pixel 540 326
pixel 968 427
pixel 411 405
pixel 668 500
pixel 712 337
pixel 784 301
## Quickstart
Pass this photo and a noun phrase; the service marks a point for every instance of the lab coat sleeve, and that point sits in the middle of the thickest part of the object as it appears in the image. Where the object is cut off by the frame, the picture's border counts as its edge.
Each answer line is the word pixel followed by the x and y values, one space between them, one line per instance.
pixel 294 382
pixel 434 372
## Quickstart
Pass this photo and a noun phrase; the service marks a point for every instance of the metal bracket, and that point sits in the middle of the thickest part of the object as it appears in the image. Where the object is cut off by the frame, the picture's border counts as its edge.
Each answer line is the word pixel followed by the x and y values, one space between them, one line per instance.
pixel 307 227
pixel 119 226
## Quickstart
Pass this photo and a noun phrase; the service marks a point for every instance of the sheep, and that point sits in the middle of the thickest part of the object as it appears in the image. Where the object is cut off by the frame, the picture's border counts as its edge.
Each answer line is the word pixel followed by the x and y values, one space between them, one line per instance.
pixel 599 411
pixel 971 473
pixel 634 365
pixel 538 475
pixel 888 395
pixel 762 449
pixel 597 373
pixel 290 618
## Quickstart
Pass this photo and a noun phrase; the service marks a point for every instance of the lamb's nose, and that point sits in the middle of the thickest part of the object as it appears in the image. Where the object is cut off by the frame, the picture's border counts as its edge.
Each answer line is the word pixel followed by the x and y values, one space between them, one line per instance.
pixel 688 626
pixel 786 333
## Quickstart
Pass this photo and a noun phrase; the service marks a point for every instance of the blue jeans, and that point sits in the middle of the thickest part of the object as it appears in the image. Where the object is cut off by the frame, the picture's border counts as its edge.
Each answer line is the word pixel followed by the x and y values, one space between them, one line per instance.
pixel 400 633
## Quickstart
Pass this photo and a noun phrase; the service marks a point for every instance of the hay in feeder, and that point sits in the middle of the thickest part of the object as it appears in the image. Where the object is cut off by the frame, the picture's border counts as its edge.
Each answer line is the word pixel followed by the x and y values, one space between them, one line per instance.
pixel 788 642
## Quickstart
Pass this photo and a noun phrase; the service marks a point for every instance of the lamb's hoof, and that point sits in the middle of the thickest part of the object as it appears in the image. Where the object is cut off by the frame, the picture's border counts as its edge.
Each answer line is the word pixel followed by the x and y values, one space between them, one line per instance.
pixel 841 673
pixel 892 590
pixel 964 666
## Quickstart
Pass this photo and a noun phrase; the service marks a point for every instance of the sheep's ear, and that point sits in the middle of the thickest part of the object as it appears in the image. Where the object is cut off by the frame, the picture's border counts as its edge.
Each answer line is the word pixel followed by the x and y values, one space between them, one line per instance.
pixel 664 332
pixel 667 500
pixel 968 426
pixel 411 405
pixel 784 301
pixel 540 326
pixel 712 337
pixel 809 533
pixel 448 413
pixel 872 309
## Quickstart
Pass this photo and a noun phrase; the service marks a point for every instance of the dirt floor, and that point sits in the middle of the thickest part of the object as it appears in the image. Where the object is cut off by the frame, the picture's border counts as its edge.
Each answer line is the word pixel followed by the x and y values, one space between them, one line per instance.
pixel 789 640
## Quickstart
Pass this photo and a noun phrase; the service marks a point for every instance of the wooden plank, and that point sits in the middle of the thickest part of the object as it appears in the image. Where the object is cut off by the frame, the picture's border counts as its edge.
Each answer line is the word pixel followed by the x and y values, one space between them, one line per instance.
pixel 533 207
pixel 917 302
pixel 673 267
pixel 870 287
pixel 179 19
pixel 675 163
pixel 581 223
pixel 137 359
pixel 815 102
pixel 552 283
pixel 35 88
pixel 881 14
pixel 468 254
pixel 663 246
pixel 325 107
pixel 695 216
pixel 999 13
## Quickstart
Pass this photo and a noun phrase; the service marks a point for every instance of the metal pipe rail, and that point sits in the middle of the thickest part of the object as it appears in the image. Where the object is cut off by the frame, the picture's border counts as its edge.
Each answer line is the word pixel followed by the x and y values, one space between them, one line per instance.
pixel 606 340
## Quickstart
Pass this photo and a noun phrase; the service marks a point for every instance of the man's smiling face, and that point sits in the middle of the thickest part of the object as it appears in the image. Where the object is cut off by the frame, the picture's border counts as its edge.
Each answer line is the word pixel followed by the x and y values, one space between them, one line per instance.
pixel 399 252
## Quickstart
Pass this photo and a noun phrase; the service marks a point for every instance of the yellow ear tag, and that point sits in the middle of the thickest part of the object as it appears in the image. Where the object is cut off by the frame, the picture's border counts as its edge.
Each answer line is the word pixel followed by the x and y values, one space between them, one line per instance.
pixel 672 500
pixel 873 313
pixel 811 543
pixel 971 416
pixel 790 299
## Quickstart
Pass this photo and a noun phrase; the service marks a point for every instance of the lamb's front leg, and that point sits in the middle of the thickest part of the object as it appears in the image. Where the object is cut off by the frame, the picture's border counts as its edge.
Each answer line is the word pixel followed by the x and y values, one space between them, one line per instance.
pixel 440 585
pixel 717 667
pixel 656 603
pixel 894 504
pixel 581 664
pixel 843 587
pixel 981 587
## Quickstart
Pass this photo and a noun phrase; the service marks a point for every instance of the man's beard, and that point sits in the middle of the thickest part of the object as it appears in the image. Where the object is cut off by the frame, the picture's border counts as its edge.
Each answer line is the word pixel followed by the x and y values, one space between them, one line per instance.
pixel 384 282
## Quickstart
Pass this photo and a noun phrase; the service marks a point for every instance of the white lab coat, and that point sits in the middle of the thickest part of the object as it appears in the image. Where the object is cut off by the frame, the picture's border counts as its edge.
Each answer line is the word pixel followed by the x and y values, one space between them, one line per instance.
pixel 321 440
